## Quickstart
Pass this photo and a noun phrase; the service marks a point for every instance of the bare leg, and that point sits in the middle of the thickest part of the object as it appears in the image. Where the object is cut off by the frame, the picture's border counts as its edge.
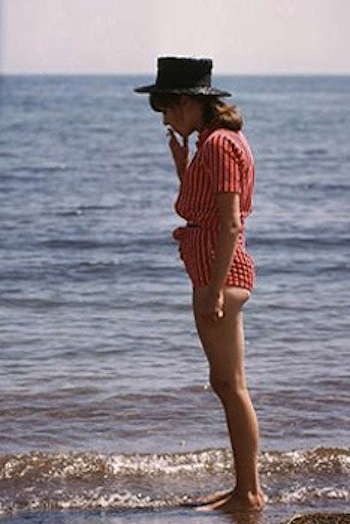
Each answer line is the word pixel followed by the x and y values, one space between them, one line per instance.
pixel 223 343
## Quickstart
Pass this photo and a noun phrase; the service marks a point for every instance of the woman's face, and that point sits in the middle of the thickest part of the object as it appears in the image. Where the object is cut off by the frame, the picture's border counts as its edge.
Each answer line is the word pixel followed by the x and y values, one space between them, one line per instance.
pixel 174 117
pixel 184 117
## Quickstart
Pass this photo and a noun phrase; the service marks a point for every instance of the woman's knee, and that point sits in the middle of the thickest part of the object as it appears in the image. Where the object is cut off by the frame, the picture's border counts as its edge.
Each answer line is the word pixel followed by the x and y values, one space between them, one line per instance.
pixel 227 387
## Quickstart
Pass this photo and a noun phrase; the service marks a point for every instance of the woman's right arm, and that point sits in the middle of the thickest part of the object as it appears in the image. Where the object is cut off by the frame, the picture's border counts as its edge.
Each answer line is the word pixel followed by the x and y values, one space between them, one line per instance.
pixel 179 152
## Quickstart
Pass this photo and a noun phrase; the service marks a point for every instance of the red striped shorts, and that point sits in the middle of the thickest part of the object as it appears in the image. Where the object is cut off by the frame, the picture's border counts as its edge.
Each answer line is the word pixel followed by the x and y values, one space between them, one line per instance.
pixel 197 251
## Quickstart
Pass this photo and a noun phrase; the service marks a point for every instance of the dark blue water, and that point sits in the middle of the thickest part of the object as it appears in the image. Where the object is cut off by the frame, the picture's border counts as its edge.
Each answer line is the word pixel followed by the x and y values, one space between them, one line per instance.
pixel 99 359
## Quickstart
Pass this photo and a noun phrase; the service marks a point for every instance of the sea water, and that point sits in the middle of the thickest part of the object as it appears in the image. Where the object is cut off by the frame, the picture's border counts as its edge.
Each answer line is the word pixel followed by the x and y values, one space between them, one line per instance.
pixel 106 414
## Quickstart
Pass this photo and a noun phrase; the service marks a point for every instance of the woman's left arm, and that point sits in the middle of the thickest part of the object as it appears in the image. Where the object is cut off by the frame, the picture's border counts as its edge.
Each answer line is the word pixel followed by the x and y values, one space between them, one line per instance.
pixel 228 205
pixel 229 229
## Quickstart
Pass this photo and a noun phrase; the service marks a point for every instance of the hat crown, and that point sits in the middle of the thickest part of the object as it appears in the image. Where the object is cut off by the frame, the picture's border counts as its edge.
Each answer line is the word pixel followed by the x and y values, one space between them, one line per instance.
pixel 180 75
pixel 177 72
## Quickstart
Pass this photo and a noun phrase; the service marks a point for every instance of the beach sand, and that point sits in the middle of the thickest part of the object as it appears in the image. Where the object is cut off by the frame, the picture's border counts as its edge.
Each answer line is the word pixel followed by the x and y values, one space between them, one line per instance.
pixel 321 518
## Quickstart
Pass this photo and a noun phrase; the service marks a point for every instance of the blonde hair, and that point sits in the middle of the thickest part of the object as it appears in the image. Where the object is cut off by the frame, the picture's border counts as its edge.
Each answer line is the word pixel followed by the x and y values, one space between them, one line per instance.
pixel 216 113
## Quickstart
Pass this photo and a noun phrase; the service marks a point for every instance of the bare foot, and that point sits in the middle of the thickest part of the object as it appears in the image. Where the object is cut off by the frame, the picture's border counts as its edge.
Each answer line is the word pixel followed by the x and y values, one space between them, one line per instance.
pixel 234 503
pixel 214 497
pixel 207 499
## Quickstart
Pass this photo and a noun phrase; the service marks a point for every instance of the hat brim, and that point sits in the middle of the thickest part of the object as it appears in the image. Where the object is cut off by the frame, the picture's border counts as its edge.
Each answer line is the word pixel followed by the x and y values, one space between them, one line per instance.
pixel 200 90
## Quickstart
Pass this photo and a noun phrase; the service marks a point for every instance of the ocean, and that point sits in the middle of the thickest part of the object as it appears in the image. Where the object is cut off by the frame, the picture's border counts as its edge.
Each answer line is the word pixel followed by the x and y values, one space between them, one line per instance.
pixel 106 415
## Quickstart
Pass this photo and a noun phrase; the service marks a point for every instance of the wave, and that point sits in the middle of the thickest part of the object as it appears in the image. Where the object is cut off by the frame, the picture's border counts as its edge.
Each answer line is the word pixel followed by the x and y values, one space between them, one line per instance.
pixel 294 242
pixel 91 480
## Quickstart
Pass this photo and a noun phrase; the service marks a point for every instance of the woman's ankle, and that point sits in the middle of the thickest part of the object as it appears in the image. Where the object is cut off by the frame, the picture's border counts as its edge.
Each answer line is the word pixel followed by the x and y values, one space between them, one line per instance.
pixel 249 492
pixel 250 499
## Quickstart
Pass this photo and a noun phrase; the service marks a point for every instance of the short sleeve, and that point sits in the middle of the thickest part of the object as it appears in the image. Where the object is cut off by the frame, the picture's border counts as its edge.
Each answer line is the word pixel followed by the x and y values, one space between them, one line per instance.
pixel 221 161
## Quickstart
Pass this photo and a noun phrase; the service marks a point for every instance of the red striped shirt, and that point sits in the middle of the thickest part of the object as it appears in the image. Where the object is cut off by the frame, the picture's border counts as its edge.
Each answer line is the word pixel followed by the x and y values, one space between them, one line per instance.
pixel 223 163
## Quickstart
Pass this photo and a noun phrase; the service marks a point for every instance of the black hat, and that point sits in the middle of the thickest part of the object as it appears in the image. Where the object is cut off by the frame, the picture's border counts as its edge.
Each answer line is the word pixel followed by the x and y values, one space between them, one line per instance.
pixel 185 76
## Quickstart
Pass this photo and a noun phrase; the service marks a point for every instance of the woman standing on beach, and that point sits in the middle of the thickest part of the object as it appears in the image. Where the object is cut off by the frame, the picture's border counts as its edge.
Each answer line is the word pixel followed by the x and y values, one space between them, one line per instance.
pixel 215 198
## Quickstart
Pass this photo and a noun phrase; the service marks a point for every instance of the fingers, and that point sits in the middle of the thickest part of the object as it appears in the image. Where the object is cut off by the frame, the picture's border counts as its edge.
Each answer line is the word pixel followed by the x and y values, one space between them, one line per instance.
pixel 170 132
pixel 213 317
pixel 211 305
pixel 173 139
pixel 178 151
pixel 171 135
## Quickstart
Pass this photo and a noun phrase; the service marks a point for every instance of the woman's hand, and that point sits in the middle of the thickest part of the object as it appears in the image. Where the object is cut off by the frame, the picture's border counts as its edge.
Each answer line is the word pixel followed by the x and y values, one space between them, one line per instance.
pixel 179 152
pixel 211 307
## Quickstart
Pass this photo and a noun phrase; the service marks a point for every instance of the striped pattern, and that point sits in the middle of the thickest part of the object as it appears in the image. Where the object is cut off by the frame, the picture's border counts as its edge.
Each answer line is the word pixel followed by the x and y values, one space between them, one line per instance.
pixel 223 163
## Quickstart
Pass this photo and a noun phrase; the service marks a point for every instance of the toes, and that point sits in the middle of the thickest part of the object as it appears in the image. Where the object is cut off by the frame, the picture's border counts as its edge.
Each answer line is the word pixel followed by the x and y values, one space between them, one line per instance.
pixel 215 505
pixel 214 497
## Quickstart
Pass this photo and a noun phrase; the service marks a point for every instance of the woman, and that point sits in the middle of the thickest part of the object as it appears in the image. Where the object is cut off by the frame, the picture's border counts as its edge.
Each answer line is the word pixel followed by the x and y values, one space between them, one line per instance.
pixel 215 198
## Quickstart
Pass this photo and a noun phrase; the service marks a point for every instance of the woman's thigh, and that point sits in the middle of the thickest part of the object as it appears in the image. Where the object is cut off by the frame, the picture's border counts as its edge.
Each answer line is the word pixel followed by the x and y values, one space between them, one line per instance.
pixel 223 340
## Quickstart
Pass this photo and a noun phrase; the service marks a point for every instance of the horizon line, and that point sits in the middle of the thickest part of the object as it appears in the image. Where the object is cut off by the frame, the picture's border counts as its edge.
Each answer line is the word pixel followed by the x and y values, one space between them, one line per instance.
pixel 133 73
